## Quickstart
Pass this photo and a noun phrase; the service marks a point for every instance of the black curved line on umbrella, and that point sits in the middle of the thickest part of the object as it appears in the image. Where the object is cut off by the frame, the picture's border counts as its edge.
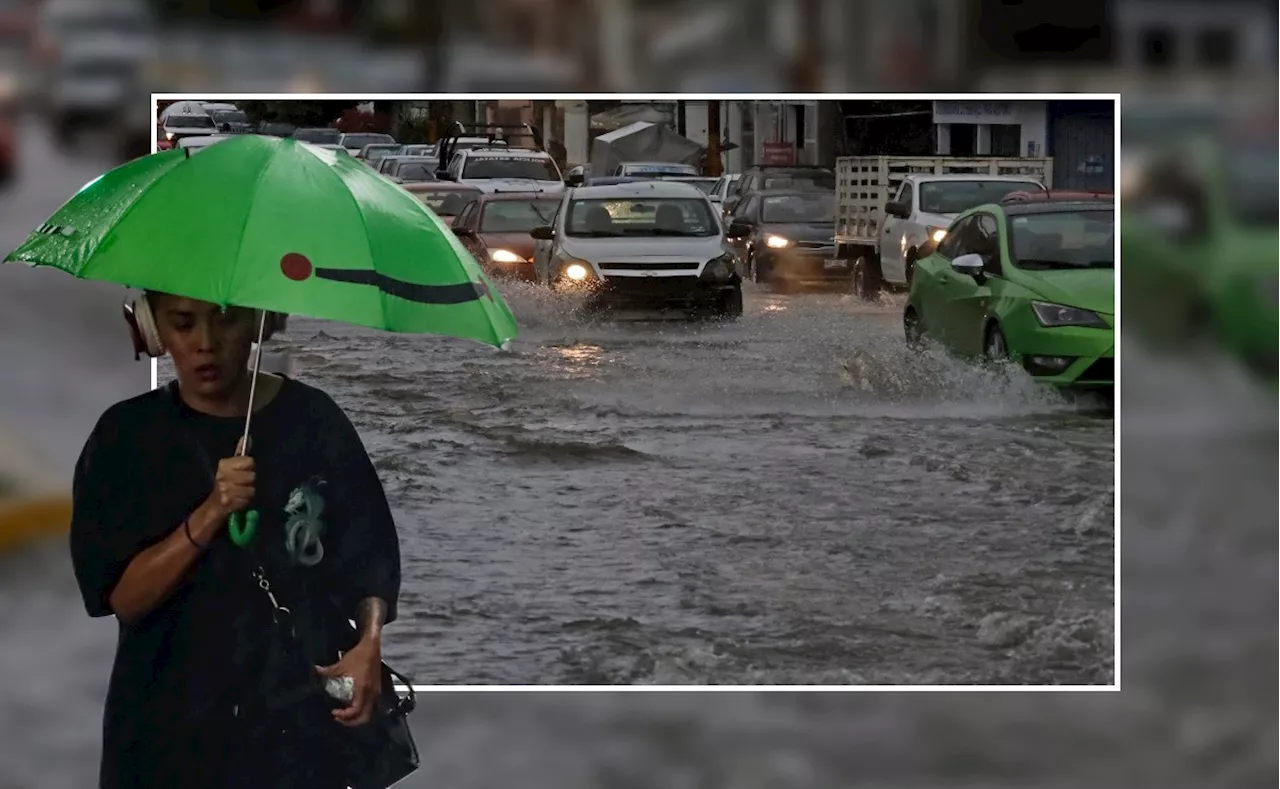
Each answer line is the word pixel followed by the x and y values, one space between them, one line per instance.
pixel 422 294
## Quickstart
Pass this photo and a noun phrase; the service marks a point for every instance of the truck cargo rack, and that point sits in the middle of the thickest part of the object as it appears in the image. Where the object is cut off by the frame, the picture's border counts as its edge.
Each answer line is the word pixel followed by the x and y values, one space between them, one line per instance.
pixel 493 132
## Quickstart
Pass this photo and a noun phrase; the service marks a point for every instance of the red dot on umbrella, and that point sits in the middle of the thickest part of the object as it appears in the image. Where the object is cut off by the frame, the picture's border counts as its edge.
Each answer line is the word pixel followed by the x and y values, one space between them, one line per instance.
pixel 295 266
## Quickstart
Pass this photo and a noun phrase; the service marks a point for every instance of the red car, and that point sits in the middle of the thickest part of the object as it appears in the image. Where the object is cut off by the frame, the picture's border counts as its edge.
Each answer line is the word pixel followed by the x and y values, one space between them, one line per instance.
pixel 494 227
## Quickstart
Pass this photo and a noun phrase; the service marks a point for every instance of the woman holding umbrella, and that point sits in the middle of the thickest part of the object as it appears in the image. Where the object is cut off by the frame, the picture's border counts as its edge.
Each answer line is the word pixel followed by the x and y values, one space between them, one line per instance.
pixel 236 566
pixel 155 488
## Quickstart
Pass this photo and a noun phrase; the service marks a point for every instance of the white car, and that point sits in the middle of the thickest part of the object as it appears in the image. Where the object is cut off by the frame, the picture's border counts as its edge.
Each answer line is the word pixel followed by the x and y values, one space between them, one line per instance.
pixel 720 192
pixel 644 243
pixel 199 143
pixel 506 169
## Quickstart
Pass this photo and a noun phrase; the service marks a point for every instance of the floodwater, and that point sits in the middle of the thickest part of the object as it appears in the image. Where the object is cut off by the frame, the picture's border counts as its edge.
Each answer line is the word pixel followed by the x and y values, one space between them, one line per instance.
pixel 794 498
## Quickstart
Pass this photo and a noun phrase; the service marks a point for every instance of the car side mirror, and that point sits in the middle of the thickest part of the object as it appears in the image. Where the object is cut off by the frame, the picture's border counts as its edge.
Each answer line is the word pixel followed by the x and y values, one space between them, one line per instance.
pixel 543 233
pixel 900 210
pixel 443 175
pixel 739 229
pixel 574 180
pixel 463 232
pixel 970 265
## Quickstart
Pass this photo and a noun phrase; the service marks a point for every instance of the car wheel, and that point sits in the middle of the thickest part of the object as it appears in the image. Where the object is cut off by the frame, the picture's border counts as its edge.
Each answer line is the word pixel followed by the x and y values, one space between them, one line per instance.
pixel 866 278
pixel 730 305
pixel 996 349
pixel 913 329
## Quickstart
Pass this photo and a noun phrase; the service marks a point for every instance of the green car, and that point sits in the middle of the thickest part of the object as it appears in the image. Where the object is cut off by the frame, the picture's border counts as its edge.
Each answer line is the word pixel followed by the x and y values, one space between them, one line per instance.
pixel 1029 282
pixel 1199 243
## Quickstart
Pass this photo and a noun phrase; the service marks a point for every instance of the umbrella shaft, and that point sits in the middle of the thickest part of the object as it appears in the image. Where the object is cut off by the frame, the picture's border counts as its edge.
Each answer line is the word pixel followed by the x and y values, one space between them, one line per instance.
pixel 253 383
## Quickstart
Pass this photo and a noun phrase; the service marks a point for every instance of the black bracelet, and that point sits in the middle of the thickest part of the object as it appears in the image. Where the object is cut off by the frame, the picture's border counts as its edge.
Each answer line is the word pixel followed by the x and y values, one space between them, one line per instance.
pixel 186 528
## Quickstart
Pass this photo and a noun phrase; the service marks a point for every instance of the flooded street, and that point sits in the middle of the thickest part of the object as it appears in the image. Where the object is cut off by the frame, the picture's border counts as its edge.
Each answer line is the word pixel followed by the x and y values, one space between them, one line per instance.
pixel 794 498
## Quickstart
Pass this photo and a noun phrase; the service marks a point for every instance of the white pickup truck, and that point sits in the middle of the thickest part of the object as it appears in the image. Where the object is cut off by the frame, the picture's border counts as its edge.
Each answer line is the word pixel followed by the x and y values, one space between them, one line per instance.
pixel 889 207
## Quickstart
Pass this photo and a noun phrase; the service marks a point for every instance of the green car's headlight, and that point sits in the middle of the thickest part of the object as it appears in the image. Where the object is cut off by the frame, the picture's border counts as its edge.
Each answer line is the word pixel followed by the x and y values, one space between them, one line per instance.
pixel 1058 315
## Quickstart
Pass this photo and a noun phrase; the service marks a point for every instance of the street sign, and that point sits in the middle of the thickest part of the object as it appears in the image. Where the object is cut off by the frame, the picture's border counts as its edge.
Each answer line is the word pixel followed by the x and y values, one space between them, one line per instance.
pixel 779 153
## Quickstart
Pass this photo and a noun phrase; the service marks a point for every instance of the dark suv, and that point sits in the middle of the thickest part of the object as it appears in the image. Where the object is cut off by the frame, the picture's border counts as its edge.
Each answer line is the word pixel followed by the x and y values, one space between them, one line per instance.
pixel 792 177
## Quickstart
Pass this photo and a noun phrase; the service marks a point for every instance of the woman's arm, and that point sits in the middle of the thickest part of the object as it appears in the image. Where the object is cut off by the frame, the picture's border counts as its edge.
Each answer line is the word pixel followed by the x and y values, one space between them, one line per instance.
pixel 153 575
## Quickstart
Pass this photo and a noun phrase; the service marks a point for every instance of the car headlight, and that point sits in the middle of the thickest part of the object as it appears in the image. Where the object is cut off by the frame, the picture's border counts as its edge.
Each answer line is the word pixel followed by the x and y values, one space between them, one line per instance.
pixel 936 234
pixel 168 135
pixel 722 268
pixel 776 242
pixel 1058 315
pixel 576 270
pixel 504 256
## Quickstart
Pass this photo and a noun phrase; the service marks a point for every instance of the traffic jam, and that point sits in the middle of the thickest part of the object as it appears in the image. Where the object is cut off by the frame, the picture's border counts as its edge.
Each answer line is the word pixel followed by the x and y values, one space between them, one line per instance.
pixel 989 262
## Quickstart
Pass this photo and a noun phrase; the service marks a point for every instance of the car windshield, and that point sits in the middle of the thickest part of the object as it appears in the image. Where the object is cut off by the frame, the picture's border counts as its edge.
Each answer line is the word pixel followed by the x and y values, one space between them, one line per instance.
pixel 318 136
pixel 818 179
pixel 678 216
pixel 445 203
pixel 416 171
pixel 953 197
pixel 376 152
pixel 1063 239
pixel 658 169
pixel 189 122
pixel 229 116
pixel 516 216
pixel 1251 184
pixel 537 168
pixel 358 141
pixel 816 208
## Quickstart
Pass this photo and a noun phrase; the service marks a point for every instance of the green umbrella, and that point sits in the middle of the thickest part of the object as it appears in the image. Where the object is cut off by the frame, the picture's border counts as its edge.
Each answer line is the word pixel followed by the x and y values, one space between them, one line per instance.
pixel 278 225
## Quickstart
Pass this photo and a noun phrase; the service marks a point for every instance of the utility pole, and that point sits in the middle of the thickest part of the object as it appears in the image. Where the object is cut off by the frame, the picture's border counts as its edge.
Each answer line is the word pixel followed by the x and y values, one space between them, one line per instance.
pixel 715 167
pixel 806 71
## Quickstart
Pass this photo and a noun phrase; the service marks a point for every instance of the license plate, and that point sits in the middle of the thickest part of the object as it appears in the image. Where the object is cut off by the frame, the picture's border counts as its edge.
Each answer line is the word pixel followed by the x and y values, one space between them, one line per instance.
pixel 830 264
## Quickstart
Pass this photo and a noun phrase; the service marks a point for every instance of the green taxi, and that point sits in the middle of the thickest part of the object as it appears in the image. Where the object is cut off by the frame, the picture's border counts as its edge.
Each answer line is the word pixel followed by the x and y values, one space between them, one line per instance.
pixel 1199 241
pixel 1031 282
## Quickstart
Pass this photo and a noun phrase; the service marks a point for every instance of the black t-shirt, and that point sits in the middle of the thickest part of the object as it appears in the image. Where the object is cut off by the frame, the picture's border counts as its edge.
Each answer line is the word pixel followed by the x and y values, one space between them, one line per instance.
pixel 182 670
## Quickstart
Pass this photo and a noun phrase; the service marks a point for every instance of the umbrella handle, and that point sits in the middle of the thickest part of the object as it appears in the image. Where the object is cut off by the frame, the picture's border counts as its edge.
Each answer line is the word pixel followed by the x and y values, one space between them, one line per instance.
pixel 242 527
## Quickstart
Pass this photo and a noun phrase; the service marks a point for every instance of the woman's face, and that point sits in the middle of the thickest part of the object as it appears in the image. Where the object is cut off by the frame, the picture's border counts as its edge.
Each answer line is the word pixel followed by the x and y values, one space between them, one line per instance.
pixel 209 347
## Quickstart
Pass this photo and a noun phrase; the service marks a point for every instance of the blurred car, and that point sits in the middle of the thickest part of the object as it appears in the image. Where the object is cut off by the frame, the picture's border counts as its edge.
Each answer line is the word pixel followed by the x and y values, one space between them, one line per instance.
pixel 787 238
pixel 318 136
pixel 92 84
pixel 1031 282
pixel 495 227
pixel 356 141
pixel 408 169
pixel 610 180
pixel 445 198
pixel 417 149
pixel 767 177
pixel 372 153
pixel 1199 245
pixel 126 26
pixel 654 244
pixel 336 148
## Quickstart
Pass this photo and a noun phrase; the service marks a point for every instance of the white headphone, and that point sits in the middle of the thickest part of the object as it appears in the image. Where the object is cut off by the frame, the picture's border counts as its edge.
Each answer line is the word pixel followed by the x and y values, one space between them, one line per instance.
pixel 146 334
pixel 142 327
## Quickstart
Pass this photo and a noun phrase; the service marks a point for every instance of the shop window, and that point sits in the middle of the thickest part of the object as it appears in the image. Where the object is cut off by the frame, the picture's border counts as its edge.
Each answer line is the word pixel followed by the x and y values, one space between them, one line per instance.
pixel 964 139
pixel 1006 139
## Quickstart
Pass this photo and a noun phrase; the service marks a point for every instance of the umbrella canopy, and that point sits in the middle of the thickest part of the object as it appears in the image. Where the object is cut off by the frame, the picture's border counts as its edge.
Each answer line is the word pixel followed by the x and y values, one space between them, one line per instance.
pixel 274 224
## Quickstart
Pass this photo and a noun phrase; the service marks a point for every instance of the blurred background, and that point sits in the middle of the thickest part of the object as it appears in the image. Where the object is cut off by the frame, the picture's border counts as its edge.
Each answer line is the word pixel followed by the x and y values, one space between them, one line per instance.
pixel 1198 384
